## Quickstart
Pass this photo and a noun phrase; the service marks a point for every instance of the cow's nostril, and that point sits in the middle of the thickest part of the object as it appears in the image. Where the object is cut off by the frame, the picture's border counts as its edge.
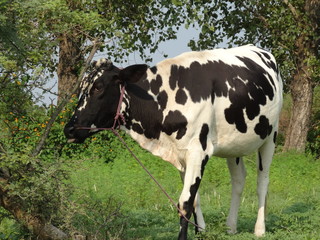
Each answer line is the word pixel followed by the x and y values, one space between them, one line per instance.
pixel 69 131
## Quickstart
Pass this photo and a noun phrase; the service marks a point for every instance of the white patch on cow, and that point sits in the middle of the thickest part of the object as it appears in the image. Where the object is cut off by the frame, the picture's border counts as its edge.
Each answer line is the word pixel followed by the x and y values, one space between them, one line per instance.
pixel 93 128
pixel 83 106
pixel 86 88
pixel 100 62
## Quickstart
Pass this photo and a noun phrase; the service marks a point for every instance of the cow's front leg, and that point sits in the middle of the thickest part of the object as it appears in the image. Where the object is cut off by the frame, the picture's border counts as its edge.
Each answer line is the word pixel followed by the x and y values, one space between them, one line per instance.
pixel 193 175
pixel 197 213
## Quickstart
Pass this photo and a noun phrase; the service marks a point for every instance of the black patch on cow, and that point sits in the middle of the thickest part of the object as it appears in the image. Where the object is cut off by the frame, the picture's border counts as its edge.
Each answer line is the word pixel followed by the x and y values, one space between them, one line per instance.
pixel 195 221
pixel 247 87
pixel 260 162
pixel 144 109
pixel 203 136
pixel 137 128
pixel 156 84
pixel 162 99
pixel 275 137
pixel 270 63
pixel 258 72
pixel 263 128
pixel 154 69
pixel 184 223
pixel 189 208
pixel 174 77
pixel 237 160
pixel 235 116
pixel 188 205
pixel 195 79
pixel 181 96
pixel 266 55
pixel 203 164
pixel 175 122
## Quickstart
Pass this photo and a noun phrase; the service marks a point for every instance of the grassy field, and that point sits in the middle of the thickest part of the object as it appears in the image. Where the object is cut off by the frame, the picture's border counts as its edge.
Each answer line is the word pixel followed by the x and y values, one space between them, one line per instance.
pixel 293 199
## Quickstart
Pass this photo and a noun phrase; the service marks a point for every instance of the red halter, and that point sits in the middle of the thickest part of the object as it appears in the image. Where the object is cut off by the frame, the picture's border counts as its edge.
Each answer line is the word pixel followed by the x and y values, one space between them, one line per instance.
pixel 119 116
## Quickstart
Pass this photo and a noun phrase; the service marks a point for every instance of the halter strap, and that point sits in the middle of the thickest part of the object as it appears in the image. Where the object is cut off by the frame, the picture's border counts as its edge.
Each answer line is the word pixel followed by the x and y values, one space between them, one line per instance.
pixel 119 116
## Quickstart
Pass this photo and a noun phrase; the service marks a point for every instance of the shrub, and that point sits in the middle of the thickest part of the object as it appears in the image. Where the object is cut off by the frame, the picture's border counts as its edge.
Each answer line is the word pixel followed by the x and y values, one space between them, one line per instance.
pixel 40 185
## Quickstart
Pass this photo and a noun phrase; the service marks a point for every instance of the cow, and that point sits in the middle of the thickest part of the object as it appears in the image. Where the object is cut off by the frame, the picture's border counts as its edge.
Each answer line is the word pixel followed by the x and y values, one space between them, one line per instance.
pixel 221 102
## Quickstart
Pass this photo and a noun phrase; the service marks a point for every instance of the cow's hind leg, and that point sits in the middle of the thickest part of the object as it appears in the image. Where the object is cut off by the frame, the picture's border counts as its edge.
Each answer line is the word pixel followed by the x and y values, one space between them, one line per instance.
pixel 238 175
pixel 264 159
pixel 193 175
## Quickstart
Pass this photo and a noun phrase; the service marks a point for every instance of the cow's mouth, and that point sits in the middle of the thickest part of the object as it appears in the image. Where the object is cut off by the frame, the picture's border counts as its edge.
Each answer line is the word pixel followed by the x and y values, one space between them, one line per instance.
pixel 75 136
pixel 75 140
pixel 72 140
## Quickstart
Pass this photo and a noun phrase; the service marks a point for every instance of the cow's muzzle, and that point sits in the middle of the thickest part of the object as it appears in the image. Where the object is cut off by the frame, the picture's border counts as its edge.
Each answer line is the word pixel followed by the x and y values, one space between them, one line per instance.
pixel 71 135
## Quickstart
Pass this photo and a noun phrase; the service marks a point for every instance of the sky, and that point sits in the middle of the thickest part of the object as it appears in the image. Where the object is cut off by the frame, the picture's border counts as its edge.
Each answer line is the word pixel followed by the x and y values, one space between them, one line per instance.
pixel 171 47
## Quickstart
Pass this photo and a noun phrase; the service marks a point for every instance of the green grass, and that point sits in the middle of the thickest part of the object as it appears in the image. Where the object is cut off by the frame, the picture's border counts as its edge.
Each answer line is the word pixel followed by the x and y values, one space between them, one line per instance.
pixel 145 213
pixel 293 199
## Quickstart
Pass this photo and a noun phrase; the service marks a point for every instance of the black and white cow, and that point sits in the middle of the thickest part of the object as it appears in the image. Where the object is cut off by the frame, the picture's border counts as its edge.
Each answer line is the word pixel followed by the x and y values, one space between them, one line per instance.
pixel 223 102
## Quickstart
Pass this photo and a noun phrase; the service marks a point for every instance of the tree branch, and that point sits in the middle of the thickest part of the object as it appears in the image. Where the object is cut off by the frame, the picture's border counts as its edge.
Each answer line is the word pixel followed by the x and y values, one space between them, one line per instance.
pixel 64 101
pixel 293 10
pixel 42 230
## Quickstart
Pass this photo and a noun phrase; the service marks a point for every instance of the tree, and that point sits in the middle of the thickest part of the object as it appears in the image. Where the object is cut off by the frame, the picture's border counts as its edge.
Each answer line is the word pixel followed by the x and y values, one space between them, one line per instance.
pixel 39 38
pixel 58 34
pixel 290 29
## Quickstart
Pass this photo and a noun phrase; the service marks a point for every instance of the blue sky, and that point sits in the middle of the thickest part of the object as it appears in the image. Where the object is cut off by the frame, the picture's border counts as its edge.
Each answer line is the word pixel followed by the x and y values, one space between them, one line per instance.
pixel 172 47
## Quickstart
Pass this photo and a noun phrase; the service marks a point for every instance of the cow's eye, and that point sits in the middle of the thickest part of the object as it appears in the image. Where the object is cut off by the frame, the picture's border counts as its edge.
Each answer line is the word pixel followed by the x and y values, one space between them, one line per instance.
pixel 97 88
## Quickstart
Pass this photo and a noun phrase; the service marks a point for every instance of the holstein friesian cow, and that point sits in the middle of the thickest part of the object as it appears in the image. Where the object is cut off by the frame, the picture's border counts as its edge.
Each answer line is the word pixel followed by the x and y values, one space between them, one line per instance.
pixel 223 102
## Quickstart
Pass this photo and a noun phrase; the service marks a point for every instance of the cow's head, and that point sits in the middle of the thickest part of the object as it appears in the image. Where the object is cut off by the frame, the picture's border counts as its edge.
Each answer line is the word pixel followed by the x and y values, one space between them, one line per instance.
pixel 99 98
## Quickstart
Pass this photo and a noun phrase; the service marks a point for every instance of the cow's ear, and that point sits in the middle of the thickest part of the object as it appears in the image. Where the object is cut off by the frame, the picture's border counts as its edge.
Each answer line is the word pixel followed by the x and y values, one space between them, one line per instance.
pixel 133 73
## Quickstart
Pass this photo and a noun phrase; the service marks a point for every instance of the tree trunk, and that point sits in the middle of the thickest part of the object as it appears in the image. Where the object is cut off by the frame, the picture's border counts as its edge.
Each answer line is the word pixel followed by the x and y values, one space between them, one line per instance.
pixel 302 95
pixel 302 85
pixel 39 228
pixel 70 62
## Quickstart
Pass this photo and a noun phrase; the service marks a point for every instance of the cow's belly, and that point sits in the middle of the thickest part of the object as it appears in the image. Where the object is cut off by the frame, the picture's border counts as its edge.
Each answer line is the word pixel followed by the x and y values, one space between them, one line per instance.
pixel 236 145
pixel 227 141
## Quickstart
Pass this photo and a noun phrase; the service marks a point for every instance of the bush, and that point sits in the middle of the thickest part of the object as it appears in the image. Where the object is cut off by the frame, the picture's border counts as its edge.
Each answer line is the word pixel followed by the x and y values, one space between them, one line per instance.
pixel 40 185
pixel 9 228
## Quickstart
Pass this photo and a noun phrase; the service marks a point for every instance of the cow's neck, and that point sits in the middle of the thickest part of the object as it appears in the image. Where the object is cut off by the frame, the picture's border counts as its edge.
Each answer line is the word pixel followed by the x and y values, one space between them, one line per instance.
pixel 143 111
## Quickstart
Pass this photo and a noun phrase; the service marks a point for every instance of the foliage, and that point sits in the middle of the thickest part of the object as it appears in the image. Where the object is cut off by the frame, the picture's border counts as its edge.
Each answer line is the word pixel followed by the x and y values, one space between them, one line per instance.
pixel 122 26
pixel 9 229
pixel 274 25
pixel 313 144
pixel 40 184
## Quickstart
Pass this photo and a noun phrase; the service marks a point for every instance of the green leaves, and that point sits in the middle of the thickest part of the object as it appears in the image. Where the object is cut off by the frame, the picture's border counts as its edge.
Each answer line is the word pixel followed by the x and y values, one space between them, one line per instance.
pixel 271 24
